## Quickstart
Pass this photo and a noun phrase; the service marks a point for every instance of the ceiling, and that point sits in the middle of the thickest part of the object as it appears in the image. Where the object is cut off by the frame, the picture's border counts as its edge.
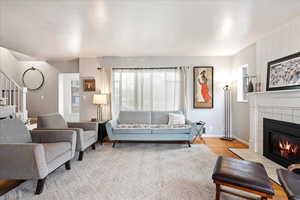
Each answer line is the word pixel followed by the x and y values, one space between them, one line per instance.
pixel 59 29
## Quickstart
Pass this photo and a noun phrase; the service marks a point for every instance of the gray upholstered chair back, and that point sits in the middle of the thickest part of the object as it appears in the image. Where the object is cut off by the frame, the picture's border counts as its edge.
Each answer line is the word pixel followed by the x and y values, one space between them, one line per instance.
pixel 51 121
pixel 13 131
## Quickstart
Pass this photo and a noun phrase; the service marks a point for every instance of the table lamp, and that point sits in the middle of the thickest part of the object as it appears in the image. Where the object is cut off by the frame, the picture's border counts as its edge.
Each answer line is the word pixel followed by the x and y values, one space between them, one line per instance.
pixel 99 100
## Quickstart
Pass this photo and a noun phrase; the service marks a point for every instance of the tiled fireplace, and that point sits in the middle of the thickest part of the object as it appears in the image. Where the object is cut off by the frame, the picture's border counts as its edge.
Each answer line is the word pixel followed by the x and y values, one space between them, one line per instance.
pixel 282 106
pixel 281 141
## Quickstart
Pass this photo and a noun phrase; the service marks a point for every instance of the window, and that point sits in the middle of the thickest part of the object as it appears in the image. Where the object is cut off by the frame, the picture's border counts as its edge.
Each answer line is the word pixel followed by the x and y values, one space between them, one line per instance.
pixel 75 97
pixel 242 84
pixel 146 89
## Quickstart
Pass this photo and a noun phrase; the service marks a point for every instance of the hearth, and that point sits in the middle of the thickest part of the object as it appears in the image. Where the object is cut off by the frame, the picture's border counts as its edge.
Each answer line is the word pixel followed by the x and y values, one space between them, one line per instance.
pixel 281 141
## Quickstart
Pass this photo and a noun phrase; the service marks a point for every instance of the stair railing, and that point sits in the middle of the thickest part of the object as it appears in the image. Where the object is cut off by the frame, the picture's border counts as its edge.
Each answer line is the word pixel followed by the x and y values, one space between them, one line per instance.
pixel 13 95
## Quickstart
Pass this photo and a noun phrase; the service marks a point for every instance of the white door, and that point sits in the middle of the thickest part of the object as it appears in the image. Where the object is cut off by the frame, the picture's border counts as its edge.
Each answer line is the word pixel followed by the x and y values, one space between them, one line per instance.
pixel 69 98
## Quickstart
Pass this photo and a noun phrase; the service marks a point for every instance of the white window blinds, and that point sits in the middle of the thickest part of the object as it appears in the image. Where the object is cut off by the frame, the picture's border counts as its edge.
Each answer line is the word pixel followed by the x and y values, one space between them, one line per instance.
pixel 146 89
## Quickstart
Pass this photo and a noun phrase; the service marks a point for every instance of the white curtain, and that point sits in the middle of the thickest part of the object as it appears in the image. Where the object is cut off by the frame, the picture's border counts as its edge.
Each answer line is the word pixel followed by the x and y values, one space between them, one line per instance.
pixel 186 72
pixel 146 89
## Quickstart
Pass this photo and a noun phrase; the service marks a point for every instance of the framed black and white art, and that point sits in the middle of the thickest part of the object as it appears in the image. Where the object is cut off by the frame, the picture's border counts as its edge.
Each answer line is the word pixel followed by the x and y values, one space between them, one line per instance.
pixel 284 73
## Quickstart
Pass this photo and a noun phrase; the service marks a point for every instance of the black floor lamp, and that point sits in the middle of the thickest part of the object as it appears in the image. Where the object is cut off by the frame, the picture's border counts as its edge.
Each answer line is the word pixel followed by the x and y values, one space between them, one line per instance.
pixel 227 103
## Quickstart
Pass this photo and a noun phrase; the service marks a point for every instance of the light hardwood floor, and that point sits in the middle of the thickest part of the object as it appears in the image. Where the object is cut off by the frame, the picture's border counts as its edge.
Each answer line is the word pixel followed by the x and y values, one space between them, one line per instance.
pixel 220 147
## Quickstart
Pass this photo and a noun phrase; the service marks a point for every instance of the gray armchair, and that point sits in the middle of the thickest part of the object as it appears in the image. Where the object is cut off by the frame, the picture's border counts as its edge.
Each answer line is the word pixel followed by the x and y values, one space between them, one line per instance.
pixel 35 155
pixel 87 132
pixel 290 181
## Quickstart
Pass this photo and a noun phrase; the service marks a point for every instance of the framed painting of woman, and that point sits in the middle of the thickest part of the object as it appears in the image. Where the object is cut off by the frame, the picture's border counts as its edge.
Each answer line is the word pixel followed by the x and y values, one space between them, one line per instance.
pixel 203 87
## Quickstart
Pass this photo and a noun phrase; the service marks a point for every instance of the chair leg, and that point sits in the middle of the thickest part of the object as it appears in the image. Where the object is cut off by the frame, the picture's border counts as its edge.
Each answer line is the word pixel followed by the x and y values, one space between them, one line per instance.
pixel 114 144
pixel 40 186
pixel 80 157
pixel 94 146
pixel 68 165
pixel 218 191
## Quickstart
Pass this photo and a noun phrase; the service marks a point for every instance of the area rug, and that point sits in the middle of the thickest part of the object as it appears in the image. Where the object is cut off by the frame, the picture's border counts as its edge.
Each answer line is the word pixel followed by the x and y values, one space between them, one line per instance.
pixel 131 172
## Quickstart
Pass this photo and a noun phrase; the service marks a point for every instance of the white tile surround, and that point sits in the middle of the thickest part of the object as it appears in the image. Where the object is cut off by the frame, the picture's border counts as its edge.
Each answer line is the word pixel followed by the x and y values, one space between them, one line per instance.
pixel 278 105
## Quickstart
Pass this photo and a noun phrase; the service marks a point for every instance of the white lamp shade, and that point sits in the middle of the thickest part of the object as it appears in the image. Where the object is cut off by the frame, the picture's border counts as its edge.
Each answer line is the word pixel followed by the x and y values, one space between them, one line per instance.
pixel 100 99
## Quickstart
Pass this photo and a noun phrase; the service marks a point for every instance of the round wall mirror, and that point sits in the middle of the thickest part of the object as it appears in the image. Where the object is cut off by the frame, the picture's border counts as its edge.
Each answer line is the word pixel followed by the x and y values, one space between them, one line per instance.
pixel 33 78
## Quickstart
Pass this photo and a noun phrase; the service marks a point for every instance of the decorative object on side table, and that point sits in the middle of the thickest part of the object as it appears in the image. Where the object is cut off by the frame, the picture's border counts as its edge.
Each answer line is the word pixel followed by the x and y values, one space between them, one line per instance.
pixel 251 81
pixel 203 87
pixel 284 73
pixel 227 98
pixel 99 100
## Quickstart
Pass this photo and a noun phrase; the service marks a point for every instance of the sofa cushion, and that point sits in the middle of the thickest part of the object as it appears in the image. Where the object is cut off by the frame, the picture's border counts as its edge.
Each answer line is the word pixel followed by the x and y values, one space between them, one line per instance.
pixel 161 117
pixel 54 150
pixel 131 131
pixel 54 121
pixel 171 129
pixel 152 128
pixel 175 119
pixel 135 117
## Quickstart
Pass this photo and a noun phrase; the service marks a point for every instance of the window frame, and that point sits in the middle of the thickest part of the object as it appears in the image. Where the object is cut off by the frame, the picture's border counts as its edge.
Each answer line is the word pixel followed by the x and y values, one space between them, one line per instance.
pixel 241 96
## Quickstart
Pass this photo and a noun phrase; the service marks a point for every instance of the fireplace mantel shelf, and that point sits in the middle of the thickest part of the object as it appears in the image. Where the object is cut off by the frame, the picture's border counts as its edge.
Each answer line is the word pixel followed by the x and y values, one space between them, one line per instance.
pixel 297 91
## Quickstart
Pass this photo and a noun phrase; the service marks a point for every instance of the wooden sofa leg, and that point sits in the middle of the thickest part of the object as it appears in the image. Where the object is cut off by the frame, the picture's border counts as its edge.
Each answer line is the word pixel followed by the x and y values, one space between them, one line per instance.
pixel 80 157
pixel 114 144
pixel 94 146
pixel 40 186
pixel 68 165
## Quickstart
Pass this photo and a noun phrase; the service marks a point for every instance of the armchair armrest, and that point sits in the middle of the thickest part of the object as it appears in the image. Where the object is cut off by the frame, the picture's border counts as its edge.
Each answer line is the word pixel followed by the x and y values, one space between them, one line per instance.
pixel 294 167
pixel 23 161
pixel 79 137
pixel 51 136
pixel 86 126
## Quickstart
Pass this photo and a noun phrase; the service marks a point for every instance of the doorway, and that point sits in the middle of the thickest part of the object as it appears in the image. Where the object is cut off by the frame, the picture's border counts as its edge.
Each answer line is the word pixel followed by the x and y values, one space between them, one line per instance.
pixel 68 96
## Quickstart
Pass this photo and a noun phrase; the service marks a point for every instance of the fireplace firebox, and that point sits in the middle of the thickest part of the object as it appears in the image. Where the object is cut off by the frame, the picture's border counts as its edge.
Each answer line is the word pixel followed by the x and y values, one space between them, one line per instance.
pixel 281 141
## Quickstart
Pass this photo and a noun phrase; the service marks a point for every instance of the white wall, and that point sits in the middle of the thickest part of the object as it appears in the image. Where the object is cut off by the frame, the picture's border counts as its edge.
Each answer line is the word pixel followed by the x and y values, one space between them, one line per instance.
pixel 45 100
pixel 279 43
pixel 282 42
pixel 88 69
pixel 240 110
pixel 10 65
pixel 222 70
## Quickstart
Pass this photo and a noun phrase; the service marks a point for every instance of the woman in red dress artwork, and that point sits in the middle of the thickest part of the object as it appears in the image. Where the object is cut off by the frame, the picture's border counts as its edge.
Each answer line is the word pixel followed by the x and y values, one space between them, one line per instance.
pixel 204 86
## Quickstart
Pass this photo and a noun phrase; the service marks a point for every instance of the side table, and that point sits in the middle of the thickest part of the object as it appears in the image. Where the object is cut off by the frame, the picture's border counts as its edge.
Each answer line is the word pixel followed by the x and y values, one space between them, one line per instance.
pixel 102 133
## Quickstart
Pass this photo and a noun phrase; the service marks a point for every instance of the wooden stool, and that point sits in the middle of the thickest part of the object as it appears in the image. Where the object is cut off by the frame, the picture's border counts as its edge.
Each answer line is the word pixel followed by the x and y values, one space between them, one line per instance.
pixel 243 175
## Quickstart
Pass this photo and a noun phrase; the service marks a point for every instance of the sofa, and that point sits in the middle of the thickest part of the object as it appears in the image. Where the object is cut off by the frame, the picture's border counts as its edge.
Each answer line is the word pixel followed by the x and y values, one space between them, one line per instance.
pixel 149 126
pixel 87 132
pixel 33 156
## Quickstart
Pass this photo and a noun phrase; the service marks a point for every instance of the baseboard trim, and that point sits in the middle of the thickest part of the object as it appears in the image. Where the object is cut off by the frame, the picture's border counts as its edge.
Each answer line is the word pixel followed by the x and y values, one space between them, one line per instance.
pixel 211 135
pixel 241 140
